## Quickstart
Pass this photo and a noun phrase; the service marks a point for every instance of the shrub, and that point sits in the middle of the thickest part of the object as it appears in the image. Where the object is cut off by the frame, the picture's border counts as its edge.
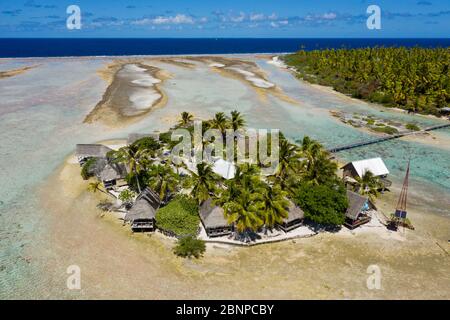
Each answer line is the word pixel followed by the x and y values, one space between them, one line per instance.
pixel 127 196
pixel 86 171
pixel 386 129
pixel 412 127
pixel 147 143
pixel 180 216
pixel 190 247
pixel 369 121
pixel 323 204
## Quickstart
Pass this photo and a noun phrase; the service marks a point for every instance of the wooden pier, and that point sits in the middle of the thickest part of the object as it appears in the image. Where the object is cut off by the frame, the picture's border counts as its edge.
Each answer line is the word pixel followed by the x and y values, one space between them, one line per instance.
pixel 386 138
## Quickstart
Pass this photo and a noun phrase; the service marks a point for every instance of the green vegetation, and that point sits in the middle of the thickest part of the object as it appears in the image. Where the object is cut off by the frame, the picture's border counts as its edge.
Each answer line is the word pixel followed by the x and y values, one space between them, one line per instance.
pixel 163 180
pixel 203 182
pixel 324 204
pixel 250 200
pixel 149 144
pixel 385 129
pixel 412 127
pixel 179 216
pixel 186 119
pixel 127 196
pixel 368 185
pixel 370 122
pixel 190 247
pixel 416 79
pixel 86 170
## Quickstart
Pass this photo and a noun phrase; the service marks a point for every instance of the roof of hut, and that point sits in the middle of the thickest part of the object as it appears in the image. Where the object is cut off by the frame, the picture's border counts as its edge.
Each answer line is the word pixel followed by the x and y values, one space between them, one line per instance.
pixel 212 216
pixel 375 165
pixel 92 150
pixel 145 207
pixel 113 171
pixel 355 204
pixel 294 213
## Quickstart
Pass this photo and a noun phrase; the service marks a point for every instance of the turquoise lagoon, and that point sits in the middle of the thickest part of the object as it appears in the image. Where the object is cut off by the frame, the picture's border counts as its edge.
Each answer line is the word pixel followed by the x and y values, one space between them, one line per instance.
pixel 41 120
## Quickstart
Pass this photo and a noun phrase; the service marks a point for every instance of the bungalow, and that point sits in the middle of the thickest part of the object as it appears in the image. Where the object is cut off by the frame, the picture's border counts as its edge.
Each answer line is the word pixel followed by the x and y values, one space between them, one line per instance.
pixel 357 169
pixel 213 220
pixel 142 214
pixel 358 212
pixel 294 219
pixel 113 175
pixel 84 152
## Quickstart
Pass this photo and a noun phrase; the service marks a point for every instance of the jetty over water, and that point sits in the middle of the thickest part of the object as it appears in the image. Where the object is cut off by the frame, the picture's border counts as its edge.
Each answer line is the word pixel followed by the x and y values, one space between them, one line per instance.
pixel 382 139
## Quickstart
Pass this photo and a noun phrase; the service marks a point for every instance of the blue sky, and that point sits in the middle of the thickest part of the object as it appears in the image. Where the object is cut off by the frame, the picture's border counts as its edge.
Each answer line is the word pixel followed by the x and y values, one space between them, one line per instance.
pixel 230 18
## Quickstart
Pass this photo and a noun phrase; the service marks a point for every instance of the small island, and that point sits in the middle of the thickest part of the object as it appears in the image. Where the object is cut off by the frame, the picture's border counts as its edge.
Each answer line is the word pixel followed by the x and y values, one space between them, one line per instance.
pixel 218 201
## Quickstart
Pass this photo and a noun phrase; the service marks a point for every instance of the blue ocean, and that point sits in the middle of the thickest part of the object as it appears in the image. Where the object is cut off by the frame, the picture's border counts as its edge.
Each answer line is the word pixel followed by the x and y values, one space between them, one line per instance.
pixel 19 48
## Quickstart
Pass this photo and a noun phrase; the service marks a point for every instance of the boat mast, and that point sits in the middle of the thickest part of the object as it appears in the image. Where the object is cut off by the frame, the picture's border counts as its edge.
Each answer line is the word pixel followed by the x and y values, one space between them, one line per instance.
pixel 400 210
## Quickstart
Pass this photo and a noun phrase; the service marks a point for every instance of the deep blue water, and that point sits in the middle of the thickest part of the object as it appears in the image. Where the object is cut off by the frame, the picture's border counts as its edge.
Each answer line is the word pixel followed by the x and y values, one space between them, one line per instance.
pixel 11 48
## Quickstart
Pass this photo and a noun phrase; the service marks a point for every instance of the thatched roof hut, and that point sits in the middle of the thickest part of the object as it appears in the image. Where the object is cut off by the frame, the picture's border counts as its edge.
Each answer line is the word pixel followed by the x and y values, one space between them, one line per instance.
pixel 213 219
pixel 294 219
pixel 143 213
pixel 357 211
pixel 86 151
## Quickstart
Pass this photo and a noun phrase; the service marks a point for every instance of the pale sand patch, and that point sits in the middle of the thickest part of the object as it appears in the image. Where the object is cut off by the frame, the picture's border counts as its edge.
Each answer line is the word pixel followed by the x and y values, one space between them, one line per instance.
pixel 177 62
pixel 118 264
pixel 127 101
pixel 15 72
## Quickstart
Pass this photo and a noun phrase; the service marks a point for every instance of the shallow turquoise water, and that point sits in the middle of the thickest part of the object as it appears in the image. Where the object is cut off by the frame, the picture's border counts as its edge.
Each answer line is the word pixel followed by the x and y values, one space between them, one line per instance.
pixel 41 114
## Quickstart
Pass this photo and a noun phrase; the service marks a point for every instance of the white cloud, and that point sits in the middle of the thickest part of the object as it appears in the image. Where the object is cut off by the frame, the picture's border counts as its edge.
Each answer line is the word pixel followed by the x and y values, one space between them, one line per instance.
pixel 257 17
pixel 178 19
pixel 239 18
pixel 329 16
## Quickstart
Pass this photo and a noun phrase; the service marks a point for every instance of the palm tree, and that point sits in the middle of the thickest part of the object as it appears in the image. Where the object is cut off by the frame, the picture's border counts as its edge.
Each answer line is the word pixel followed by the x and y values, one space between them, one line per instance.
pixel 368 185
pixel 135 159
pixel 220 122
pixel 186 119
pixel 274 205
pixel 163 181
pixel 237 121
pixel 289 163
pixel 204 182
pixel 97 186
pixel 243 212
pixel 318 167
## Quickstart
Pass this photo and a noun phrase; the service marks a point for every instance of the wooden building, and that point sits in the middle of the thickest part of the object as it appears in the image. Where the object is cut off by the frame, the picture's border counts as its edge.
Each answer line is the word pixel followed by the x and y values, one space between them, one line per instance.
pixel 357 169
pixel 294 219
pixel 213 220
pixel 84 152
pixel 142 215
pixel 358 212
pixel 113 175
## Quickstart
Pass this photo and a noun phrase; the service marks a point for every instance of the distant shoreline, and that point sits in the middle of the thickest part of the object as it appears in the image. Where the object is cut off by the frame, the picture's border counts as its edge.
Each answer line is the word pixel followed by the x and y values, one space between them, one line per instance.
pixel 89 47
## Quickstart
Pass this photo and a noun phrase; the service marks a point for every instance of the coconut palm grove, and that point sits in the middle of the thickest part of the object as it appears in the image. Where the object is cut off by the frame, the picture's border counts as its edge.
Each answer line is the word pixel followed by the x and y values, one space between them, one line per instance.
pixel 252 202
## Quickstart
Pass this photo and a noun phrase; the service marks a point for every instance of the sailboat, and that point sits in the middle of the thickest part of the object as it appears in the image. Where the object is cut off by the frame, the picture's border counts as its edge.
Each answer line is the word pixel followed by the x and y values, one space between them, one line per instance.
pixel 399 218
